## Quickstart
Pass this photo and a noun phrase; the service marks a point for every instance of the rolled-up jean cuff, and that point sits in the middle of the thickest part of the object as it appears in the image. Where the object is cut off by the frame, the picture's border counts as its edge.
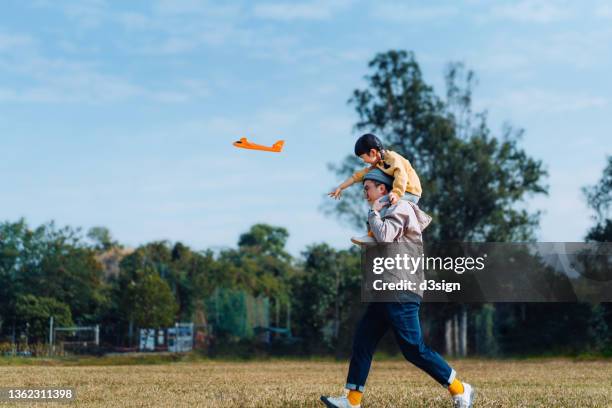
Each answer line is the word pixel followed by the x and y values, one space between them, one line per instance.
pixel 451 378
pixel 354 387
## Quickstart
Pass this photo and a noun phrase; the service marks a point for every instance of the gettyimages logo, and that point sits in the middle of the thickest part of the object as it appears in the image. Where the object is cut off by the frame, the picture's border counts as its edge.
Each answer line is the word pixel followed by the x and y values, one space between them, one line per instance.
pixel 412 264
pixel 487 272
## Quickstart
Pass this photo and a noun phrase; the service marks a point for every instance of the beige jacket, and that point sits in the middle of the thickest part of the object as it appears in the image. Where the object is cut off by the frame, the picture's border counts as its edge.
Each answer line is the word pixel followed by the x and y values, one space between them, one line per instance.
pixel 405 178
pixel 402 222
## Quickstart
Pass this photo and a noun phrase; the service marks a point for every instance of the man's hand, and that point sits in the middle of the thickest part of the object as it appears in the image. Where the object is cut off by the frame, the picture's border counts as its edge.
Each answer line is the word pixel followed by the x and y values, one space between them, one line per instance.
pixel 379 204
pixel 336 193
pixel 393 198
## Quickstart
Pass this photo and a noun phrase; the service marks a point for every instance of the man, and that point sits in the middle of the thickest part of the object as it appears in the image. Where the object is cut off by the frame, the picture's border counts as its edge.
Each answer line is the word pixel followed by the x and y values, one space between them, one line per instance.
pixel 402 222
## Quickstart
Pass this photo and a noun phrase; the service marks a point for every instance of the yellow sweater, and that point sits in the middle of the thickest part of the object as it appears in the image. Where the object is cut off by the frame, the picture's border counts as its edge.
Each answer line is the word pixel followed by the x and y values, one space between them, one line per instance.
pixel 395 165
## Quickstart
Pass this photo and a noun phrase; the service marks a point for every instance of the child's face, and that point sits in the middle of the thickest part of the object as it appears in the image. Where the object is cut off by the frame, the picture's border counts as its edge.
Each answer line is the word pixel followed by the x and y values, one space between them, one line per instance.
pixel 371 157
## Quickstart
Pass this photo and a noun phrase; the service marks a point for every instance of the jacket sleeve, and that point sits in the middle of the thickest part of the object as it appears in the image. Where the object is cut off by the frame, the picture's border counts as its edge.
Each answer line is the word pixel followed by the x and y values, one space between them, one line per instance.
pixel 388 228
pixel 358 176
pixel 400 181
pixel 397 170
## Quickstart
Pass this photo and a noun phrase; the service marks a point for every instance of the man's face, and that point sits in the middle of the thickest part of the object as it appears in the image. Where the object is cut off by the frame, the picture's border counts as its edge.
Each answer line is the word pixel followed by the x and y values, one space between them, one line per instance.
pixel 372 192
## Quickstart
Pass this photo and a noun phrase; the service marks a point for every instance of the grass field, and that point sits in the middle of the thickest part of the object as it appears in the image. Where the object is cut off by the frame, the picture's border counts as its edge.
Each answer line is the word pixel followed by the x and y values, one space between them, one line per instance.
pixel 291 383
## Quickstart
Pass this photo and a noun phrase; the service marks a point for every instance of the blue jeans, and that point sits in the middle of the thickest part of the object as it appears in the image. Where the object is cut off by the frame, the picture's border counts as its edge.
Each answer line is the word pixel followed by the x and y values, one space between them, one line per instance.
pixel 403 318
pixel 411 197
pixel 407 196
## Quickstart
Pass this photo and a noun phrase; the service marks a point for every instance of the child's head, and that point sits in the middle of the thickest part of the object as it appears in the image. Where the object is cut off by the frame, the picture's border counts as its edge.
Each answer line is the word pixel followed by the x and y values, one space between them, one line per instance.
pixel 368 148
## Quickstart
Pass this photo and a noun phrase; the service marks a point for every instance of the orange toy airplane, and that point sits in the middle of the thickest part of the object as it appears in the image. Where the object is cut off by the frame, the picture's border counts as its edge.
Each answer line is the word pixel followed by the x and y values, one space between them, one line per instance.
pixel 245 144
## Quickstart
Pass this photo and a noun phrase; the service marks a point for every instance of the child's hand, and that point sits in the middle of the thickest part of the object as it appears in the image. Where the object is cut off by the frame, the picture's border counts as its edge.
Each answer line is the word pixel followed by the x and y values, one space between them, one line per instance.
pixel 336 193
pixel 393 198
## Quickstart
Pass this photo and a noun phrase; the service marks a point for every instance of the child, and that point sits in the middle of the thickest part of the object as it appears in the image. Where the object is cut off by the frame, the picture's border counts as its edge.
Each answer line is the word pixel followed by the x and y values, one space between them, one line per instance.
pixel 406 181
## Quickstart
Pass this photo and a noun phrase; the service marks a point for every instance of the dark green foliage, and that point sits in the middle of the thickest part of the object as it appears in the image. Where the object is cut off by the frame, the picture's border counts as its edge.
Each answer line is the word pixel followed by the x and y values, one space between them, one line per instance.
pixel 34 312
pixel 599 198
pixel 327 297
pixel 49 263
pixel 148 300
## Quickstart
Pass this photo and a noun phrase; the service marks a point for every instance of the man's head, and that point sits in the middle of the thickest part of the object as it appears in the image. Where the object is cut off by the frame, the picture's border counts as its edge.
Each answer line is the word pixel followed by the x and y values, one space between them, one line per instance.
pixel 368 148
pixel 376 184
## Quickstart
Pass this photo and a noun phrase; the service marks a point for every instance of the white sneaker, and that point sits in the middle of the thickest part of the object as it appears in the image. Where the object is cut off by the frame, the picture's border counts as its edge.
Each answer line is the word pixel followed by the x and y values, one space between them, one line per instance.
pixel 466 399
pixel 364 240
pixel 338 402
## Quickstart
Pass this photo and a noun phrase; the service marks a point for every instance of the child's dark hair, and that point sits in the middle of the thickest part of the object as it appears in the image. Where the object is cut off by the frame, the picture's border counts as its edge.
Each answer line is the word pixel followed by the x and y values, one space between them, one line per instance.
pixel 365 143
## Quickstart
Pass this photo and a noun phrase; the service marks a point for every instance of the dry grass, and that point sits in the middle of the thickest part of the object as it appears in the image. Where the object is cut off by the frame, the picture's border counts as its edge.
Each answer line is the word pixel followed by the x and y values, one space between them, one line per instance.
pixel 539 383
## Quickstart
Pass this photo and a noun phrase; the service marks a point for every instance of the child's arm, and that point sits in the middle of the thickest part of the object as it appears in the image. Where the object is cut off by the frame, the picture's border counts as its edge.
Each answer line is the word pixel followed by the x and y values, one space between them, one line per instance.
pixel 338 191
pixel 355 178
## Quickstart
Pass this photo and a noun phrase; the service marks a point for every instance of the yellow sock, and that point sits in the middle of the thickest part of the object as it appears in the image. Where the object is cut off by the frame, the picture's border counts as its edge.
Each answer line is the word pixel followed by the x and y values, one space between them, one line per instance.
pixel 456 387
pixel 354 397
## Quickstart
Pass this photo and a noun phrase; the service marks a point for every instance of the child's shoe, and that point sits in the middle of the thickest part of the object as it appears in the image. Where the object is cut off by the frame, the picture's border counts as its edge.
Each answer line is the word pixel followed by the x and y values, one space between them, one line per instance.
pixel 364 240
pixel 338 402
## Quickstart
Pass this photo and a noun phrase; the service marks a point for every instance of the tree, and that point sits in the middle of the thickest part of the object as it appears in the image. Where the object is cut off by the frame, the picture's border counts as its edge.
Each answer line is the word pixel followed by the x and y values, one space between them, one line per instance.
pixel 262 261
pixel 149 301
pixel 599 198
pixel 49 262
pixel 472 181
pixel 326 296
pixel 266 239
pixel 34 313
pixel 102 238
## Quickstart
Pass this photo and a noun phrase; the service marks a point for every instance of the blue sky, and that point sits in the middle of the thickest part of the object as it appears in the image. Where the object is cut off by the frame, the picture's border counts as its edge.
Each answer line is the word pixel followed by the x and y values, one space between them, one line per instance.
pixel 122 114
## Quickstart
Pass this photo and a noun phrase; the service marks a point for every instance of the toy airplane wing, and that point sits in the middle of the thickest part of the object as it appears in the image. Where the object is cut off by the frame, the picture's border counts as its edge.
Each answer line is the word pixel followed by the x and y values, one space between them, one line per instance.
pixel 245 144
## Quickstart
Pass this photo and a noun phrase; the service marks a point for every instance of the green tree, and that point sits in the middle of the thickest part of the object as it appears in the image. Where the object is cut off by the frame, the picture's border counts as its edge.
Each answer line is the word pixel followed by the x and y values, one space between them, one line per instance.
pixel 102 238
pixel 261 266
pixel 472 181
pixel 49 262
pixel 149 301
pixel 175 264
pixel 599 198
pixel 266 239
pixel 327 297
pixel 34 312
pixel 475 183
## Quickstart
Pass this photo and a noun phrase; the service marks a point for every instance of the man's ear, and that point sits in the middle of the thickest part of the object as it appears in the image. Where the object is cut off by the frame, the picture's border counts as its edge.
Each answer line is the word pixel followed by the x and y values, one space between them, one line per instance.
pixel 372 152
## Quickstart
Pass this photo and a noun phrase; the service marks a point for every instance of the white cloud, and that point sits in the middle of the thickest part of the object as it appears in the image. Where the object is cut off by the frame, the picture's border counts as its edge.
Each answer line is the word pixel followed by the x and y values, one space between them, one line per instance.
pixel 199 7
pixel 527 57
pixel 604 11
pixel 46 80
pixel 537 101
pixel 13 41
pixel 533 11
pixel 289 11
pixel 403 12
pixel 502 61
pixel 86 13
